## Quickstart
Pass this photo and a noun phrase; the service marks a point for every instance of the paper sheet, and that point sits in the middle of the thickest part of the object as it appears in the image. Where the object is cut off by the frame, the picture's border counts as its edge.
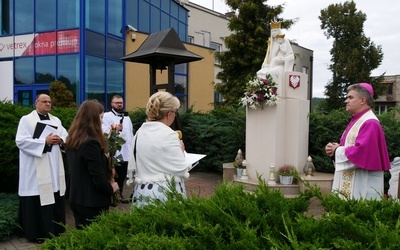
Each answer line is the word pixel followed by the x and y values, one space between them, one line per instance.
pixel 194 158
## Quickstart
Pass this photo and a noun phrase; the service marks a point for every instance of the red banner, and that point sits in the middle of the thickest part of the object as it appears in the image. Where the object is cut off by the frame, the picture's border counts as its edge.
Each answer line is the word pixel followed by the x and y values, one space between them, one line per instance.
pixel 50 43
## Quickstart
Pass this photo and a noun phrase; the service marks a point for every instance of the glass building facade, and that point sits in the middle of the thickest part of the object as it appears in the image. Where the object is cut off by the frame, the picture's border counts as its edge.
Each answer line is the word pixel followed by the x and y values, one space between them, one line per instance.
pixel 80 42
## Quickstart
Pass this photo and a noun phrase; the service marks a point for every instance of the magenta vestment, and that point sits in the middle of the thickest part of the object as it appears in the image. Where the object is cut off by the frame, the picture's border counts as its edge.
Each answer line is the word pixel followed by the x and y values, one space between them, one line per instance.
pixel 369 151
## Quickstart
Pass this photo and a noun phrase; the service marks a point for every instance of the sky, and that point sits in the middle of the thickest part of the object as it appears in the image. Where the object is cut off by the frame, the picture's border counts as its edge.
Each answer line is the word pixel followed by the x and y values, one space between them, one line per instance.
pixel 382 27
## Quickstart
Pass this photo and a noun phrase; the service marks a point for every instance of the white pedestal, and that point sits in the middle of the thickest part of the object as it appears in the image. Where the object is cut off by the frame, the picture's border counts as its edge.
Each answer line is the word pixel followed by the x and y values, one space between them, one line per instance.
pixel 279 134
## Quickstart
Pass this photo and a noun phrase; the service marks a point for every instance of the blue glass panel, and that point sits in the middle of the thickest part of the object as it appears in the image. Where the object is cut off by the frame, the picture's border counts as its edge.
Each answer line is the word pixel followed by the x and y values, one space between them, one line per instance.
pixel 24 70
pixel 181 68
pixel 23 16
pixel 68 73
pixel 45 69
pixel 184 102
pixel 164 21
pixel 180 84
pixel 95 78
pixel 182 32
pixel 45 15
pixel 95 15
pixel 157 3
pixel 95 43
pixel 174 9
pixel 165 6
pixel 115 17
pixel 6 14
pixel 115 48
pixel 155 19
pixel 132 12
pixel 175 24
pixel 68 14
pixel 115 79
pixel 182 14
pixel 144 20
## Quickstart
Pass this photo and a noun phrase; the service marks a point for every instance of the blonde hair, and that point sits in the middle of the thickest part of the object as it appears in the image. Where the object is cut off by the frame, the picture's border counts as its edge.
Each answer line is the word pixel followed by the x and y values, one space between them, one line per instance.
pixel 159 104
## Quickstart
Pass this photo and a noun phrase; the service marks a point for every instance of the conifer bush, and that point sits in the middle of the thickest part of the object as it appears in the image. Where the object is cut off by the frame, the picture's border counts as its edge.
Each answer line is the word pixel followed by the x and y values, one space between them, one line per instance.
pixel 8 215
pixel 233 218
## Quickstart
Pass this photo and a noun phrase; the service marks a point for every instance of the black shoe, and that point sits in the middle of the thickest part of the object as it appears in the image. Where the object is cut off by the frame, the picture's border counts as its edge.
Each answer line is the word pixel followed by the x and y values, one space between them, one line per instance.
pixel 125 201
pixel 38 241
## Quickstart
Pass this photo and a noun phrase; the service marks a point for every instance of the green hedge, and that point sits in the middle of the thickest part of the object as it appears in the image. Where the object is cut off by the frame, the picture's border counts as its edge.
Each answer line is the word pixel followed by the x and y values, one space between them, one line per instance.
pixel 10 115
pixel 235 219
pixel 218 134
pixel 325 128
pixel 8 215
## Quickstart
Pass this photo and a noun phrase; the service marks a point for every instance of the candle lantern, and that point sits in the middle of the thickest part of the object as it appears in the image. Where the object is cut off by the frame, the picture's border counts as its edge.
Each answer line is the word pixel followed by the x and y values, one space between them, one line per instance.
pixel 309 168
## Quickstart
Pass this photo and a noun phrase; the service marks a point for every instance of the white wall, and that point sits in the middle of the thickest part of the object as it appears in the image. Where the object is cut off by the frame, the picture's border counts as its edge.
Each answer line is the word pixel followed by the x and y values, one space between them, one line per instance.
pixel 6 82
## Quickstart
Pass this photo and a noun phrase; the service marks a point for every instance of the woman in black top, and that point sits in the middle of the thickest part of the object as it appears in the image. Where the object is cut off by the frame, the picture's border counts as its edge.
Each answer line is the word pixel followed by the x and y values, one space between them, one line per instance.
pixel 89 186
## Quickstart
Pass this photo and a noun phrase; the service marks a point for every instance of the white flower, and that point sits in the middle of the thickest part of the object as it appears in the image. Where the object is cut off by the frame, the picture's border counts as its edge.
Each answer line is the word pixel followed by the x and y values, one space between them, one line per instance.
pixel 259 92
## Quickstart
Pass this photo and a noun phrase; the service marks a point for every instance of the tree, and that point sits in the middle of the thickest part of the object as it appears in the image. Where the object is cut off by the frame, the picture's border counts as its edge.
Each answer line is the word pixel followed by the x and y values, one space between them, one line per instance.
pixel 246 45
pixel 354 56
pixel 61 96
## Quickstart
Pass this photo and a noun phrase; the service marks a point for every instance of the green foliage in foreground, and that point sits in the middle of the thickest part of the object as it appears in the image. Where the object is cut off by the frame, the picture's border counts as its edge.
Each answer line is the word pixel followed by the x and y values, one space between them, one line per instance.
pixel 235 219
pixel 8 215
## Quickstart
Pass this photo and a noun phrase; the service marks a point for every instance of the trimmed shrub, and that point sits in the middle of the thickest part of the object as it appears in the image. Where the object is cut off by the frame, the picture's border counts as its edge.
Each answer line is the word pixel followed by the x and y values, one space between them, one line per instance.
pixel 235 219
pixel 8 215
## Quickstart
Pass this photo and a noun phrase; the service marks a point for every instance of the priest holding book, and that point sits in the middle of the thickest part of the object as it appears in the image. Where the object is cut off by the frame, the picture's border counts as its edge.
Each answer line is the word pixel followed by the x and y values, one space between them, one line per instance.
pixel 40 137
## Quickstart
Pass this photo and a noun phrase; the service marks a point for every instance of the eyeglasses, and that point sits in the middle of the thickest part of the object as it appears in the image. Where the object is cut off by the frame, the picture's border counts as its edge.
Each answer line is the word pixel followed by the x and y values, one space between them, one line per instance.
pixel 175 112
pixel 118 103
pixel 49 102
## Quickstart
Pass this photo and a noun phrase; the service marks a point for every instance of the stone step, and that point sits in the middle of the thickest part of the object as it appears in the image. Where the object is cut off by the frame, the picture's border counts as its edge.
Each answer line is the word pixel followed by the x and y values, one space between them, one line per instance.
pixel 322 180
pixel 287 190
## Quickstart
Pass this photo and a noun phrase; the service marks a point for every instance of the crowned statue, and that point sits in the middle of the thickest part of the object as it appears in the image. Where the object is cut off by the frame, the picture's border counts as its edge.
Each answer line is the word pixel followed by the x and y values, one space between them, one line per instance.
pixel 279 57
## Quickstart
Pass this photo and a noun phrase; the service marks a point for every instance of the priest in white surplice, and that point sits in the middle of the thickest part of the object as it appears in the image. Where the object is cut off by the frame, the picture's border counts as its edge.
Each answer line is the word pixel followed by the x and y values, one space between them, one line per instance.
pixel 362 156
pixel 41 172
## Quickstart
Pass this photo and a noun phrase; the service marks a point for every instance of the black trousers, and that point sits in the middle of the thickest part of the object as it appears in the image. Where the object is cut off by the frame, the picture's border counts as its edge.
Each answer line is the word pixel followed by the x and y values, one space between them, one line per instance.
pixel 120 177
pixel 85 215
pixel 38 222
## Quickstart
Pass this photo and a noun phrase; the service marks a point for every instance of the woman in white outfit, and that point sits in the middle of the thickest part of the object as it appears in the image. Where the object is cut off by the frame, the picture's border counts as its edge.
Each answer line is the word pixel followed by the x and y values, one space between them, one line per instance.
pixel 158 154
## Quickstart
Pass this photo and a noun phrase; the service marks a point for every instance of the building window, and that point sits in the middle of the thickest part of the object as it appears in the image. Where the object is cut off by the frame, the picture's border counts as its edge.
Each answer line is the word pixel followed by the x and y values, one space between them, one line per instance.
pixel 95 78
pixel 68 73
pixel 181 84
pixel 115 79
pixel 95 43
pixel 95 15
pixel 24 16
pixel 217 48
pixel 164 20
pixel 155 19
pixel 384 107
pixel 143 13
pixel 45 21
pixel 389 92
pixel 304 70
pixel 6 13
pixel 115 18
pixel 115 48
pixel 164 14
pixel 68 14
pixel 24 73
pixel 45 71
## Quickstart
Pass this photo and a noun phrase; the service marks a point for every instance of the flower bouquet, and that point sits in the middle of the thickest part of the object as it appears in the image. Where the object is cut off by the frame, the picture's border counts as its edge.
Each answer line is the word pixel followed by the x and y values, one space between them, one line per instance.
pixel 114 144
pixel 260 92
